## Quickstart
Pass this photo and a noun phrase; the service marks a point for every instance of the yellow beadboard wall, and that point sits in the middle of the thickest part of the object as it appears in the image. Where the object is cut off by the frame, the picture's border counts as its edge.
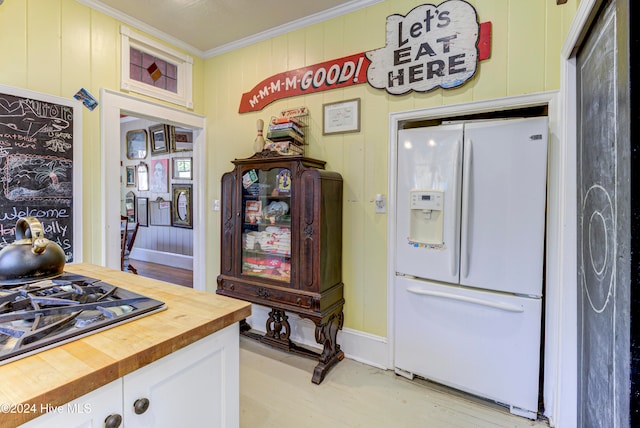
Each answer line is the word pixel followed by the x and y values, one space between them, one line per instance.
pixel 59 46
pixel 56 47
pixel 525 58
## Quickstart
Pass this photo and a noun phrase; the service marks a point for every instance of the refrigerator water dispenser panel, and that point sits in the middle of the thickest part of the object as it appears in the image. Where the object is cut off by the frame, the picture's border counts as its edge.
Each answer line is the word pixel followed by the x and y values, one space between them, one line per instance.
pixel 426 222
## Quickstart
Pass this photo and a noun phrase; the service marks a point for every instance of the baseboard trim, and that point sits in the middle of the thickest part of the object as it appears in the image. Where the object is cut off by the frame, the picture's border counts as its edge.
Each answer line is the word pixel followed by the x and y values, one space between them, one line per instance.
pixel 357 345
pixel 169 259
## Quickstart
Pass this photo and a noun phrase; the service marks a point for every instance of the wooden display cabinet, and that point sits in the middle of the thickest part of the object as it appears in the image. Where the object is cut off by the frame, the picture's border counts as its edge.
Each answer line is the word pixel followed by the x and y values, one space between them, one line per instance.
pixel 282 248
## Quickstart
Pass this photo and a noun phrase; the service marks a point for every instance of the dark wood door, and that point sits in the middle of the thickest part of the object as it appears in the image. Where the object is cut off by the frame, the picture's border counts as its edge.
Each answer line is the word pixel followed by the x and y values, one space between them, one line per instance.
pixel 603 189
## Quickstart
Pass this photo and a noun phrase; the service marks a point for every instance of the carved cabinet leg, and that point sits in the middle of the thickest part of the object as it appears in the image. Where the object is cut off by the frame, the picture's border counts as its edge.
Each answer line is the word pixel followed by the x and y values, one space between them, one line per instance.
pixel 326 335
pixel 278 329
pixel 244 326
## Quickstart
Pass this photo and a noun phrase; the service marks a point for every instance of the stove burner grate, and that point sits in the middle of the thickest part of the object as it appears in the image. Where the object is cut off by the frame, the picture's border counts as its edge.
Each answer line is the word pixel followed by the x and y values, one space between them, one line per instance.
pixel 37 316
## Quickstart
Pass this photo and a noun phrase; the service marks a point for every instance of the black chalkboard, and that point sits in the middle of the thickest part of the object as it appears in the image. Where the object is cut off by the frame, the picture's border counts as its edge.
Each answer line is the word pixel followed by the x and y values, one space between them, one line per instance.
pixel 603 228
pixel 36 164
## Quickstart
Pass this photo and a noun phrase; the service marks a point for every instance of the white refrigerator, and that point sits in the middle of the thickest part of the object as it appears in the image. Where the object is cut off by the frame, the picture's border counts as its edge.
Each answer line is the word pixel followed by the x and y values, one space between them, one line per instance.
pixel 470 225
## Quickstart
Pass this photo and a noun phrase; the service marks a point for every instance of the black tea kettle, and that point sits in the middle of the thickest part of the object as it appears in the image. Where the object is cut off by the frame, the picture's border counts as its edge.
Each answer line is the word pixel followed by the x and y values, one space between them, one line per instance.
pixel 32 257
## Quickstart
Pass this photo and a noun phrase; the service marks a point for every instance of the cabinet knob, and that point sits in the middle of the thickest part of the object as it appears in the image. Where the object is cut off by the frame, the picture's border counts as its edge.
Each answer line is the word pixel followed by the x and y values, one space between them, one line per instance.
pixel 141 405
pixel 113 421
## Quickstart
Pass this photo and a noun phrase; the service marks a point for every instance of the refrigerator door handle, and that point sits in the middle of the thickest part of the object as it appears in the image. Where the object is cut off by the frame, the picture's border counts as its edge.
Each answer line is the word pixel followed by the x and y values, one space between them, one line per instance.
pixel 453 261
pixel 466 215
pixel 497 305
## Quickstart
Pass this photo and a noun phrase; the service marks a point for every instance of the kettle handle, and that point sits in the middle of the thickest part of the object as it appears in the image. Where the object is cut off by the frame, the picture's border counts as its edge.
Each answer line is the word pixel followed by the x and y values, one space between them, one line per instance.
pixel 38 241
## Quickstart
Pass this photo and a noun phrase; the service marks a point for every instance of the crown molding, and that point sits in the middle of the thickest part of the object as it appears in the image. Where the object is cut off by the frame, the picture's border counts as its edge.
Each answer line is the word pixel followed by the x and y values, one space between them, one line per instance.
pixel 276 31
pixel 316 18
pixel 141 26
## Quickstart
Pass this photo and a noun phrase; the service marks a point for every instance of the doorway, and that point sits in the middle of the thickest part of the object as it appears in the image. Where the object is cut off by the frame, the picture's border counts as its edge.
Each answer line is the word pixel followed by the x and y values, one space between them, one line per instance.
pixel 156 197
pixel 114 105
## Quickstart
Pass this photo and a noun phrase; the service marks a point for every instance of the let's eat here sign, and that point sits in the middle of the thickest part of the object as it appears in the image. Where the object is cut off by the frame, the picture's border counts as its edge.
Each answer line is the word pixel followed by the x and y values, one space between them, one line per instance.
pixel 431 47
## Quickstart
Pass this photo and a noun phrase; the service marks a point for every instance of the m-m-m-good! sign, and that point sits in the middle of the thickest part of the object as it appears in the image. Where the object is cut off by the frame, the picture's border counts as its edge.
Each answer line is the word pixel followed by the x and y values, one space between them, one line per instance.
pixel 432 46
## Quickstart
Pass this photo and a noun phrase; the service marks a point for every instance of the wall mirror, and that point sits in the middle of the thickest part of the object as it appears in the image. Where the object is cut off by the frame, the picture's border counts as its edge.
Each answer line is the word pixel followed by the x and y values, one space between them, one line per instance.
pixel 130 206
pixel 143 177
pixel 143 211
pixel 137 144
pixel 160 212
pixel 182 206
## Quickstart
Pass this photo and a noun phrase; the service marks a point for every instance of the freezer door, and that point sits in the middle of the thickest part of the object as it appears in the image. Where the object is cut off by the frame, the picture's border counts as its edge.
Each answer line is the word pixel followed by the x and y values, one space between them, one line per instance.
pixel 487 344
pixel 428 202
pixel 503 205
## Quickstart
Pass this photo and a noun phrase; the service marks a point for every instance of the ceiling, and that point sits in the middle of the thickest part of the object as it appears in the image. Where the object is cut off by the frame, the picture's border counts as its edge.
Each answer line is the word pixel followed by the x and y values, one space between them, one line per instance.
pixel 209 27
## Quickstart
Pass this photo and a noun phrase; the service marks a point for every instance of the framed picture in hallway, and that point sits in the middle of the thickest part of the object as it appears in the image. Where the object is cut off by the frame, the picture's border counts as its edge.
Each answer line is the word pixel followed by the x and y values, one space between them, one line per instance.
pixel 131 176
pixel 159 178
pixel 181 139
pixel 181 169
pixel 143 212
pixel 137 144
pixel 159 139
pixel 182 215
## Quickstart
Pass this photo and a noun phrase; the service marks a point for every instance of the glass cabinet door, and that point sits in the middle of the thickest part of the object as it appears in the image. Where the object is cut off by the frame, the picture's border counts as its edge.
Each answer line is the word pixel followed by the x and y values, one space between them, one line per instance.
pixel 266 223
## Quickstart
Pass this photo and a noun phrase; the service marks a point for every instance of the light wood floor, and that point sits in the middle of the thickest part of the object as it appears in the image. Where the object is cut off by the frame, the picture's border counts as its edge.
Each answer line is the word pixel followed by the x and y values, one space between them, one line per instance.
pixel 276 390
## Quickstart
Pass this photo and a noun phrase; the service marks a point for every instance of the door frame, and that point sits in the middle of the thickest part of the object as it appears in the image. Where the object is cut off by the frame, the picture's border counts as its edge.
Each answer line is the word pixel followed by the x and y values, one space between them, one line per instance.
pixel 556 212
pixel 113 105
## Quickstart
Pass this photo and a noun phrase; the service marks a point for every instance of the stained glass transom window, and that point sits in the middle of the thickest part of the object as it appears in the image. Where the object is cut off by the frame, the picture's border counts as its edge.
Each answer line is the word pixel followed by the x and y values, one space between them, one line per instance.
pixel 151 70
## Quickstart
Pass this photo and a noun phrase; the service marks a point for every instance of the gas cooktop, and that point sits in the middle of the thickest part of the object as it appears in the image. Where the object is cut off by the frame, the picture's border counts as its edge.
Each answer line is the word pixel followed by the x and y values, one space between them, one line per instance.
pixel 41 315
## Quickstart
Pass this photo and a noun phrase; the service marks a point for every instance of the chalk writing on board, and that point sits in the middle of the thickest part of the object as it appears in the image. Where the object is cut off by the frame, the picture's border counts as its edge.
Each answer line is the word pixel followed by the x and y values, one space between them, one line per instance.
pixel 36 167
pixel 37 177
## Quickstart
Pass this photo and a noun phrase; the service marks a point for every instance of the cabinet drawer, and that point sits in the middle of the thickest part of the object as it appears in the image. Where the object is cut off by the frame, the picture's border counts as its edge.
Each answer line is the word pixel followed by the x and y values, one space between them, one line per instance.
pixel 266 295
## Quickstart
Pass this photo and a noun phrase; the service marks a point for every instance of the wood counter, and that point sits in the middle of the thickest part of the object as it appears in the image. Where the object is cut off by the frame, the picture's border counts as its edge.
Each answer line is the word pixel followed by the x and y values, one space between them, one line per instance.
pixel 66 372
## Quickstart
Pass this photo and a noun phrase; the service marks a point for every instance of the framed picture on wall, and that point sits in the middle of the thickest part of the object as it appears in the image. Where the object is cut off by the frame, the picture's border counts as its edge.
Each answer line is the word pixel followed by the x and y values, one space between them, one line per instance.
pixel 159 139
pixel 159 179
pixel 181 169
pixel 341 117
pixel 182 139
pixel 182 215
pixel 131 176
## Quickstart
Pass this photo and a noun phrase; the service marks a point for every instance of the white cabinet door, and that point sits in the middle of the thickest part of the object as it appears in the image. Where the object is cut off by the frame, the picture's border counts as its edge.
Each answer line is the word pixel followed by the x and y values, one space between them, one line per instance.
pixel 195 386
pixel 89 411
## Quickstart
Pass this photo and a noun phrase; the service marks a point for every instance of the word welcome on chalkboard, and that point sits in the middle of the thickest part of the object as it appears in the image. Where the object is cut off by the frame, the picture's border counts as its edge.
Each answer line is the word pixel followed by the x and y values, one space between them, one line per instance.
pixel 37 142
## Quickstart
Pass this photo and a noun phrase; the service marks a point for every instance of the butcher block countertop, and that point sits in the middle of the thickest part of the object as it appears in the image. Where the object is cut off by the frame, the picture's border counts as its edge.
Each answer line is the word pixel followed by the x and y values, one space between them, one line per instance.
pixel 66 372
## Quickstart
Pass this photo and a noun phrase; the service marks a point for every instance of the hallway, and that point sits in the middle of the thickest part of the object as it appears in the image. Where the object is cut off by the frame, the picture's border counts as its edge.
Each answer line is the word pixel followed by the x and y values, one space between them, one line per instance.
pixel 178 276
